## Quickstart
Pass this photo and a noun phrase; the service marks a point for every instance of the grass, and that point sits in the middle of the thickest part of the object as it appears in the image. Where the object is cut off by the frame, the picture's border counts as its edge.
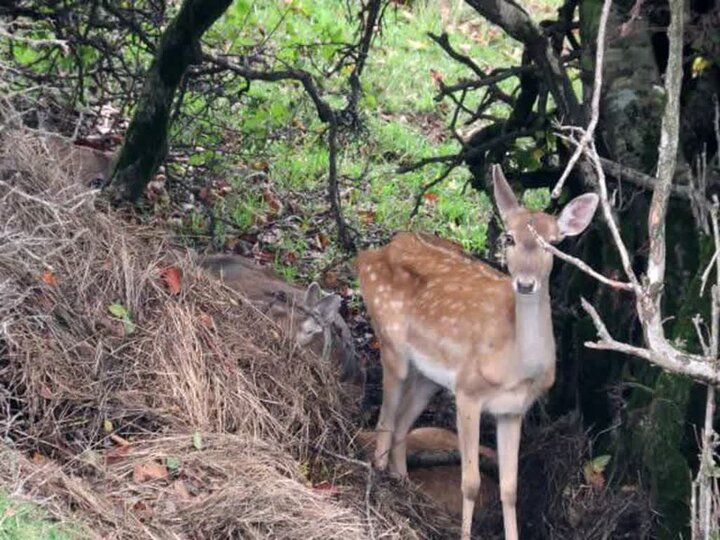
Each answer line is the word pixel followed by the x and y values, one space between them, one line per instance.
pixel 24 521
pixel 403 120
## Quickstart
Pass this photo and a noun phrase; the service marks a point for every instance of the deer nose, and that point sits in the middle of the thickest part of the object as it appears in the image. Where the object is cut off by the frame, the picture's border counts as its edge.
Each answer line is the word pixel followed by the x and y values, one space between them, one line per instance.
pixel 525 287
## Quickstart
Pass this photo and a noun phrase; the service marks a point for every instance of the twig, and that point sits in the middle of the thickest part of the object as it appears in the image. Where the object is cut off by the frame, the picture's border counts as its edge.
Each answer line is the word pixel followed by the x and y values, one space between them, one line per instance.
pixel 580 264
pixel 430 185
pixel 595 104
pixel 607 342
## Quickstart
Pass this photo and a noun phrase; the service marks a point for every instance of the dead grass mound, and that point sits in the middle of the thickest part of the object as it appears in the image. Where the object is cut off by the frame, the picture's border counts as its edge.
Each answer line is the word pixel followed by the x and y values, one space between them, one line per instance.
pixel 141 413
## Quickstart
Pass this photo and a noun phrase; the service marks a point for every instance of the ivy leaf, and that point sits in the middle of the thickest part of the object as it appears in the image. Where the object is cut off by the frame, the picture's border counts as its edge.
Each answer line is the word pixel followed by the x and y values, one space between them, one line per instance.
pixel 118 310
pixel 197 440
pixel 599 463
pixel 172 463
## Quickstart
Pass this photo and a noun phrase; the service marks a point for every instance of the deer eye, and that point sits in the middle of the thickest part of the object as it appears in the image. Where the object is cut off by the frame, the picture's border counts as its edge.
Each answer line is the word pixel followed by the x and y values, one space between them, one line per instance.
pixel 508 240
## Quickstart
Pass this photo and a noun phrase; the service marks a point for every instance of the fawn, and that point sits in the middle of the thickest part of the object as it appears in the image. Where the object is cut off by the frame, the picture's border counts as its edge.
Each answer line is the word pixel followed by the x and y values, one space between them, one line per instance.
pixel 444 319
pixel 310 316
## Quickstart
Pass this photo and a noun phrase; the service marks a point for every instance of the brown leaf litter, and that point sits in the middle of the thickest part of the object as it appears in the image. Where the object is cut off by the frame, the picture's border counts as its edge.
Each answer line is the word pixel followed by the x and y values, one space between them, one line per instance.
pixel 202 422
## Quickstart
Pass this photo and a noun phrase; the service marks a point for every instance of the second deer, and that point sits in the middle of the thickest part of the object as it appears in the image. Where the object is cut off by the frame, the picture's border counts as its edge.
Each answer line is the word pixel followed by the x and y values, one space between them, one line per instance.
pixel 444 319
pixel 310 316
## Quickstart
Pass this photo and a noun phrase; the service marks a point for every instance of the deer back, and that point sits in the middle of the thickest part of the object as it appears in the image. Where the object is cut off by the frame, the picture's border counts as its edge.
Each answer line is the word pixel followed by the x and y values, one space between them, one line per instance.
pixel 427 299
pixel 91 166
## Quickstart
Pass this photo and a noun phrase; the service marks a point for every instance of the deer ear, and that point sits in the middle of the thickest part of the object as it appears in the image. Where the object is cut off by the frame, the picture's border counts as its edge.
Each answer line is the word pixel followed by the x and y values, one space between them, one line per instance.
pixel 505 199
pixel 313 295
pixel 577 214
pixel 329 307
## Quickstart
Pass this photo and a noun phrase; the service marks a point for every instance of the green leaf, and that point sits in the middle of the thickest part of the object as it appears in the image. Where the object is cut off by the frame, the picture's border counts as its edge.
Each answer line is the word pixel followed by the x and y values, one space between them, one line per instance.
pixel 128 325
pixel 599 463
pixel 172 463
pixel 118 310
pixel 197 440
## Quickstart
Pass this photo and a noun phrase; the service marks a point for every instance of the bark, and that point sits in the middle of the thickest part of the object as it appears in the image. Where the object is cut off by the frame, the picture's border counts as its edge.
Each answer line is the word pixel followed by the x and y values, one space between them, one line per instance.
pixel 146 139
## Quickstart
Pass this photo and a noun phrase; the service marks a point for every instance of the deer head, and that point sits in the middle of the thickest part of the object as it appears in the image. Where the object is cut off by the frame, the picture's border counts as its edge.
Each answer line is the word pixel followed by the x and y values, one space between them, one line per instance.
pixel 311 317
pixel 528 263
pixel 308 320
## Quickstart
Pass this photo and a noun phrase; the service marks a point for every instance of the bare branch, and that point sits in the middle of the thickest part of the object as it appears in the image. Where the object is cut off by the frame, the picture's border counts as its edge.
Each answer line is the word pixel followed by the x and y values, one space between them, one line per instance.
pixel 667 158
pixel 665 357
pixel 580 264
pixel 595 105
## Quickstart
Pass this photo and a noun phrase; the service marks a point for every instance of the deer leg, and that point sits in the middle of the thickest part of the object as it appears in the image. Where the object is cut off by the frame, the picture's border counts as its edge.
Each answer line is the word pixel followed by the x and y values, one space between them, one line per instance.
pixel 508 448
pixel 418 392
pixel 395 371
pixel 468 423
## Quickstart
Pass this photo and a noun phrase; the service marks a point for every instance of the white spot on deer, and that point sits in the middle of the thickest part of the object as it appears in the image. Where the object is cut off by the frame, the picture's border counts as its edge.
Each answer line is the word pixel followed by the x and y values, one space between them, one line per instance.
pixel 373 276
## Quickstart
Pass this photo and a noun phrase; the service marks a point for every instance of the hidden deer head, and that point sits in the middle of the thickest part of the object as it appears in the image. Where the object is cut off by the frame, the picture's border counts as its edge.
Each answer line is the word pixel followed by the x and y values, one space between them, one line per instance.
pixel 311 317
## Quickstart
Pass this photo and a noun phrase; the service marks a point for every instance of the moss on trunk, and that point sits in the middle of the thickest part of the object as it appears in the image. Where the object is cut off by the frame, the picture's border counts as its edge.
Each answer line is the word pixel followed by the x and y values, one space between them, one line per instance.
pixel 146 139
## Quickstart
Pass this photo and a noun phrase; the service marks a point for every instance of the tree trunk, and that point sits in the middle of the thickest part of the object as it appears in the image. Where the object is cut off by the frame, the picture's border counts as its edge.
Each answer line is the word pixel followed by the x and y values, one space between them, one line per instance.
pixel 146 139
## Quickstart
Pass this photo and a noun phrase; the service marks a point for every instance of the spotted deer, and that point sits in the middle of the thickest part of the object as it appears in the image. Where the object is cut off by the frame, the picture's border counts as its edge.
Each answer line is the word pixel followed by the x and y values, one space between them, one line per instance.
pixel 446 320
pixel 310 316
pixel 433 480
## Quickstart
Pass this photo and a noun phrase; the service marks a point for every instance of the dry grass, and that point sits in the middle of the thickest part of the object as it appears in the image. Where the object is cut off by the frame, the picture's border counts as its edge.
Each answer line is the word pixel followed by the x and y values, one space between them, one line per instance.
pixel 204 390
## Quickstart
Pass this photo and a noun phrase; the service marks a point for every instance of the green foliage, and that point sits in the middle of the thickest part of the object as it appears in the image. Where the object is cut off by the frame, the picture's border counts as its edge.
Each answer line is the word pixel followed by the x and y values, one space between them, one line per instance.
pixel 23 521
pixel 536 199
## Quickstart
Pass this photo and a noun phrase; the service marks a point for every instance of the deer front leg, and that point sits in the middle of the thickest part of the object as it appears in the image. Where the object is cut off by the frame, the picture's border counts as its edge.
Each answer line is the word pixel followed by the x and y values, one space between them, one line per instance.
pixel 417 393
pixel 394 373
pixel 469 409
pixel 508 448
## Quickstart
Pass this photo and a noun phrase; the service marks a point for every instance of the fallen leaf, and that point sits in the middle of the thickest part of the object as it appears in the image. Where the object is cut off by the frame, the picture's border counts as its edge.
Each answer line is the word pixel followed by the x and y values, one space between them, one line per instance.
pixel 206 320
pixel 326 488
pixel 181 490
pixel 366 216
pixel 272 201
pixel 108 426
pixel 261 165
pixel 172 276
pixel 430 197
pixel 322 240
pixel 117 454
pixel 38 458
pixel 436 76
pixel 151 470
pixel 49 279
pixel 119 440
pixel 45 391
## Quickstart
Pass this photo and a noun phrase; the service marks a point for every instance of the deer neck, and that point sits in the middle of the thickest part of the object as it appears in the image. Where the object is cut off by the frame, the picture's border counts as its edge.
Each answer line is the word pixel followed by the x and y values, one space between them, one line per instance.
pixel 534 339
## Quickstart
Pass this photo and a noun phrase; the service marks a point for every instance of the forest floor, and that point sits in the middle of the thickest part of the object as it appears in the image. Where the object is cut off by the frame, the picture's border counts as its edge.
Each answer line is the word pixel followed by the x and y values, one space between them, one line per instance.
pixel 191 379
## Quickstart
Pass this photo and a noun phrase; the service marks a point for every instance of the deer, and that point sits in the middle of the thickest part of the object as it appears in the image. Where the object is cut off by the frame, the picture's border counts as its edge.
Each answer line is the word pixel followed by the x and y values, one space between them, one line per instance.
pixel 309 316
pixel 433 480
pixel 444 319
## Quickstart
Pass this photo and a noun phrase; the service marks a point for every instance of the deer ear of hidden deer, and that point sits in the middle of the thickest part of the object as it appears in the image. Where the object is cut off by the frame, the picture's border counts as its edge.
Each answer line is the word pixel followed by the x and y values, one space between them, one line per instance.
pixel 444 319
